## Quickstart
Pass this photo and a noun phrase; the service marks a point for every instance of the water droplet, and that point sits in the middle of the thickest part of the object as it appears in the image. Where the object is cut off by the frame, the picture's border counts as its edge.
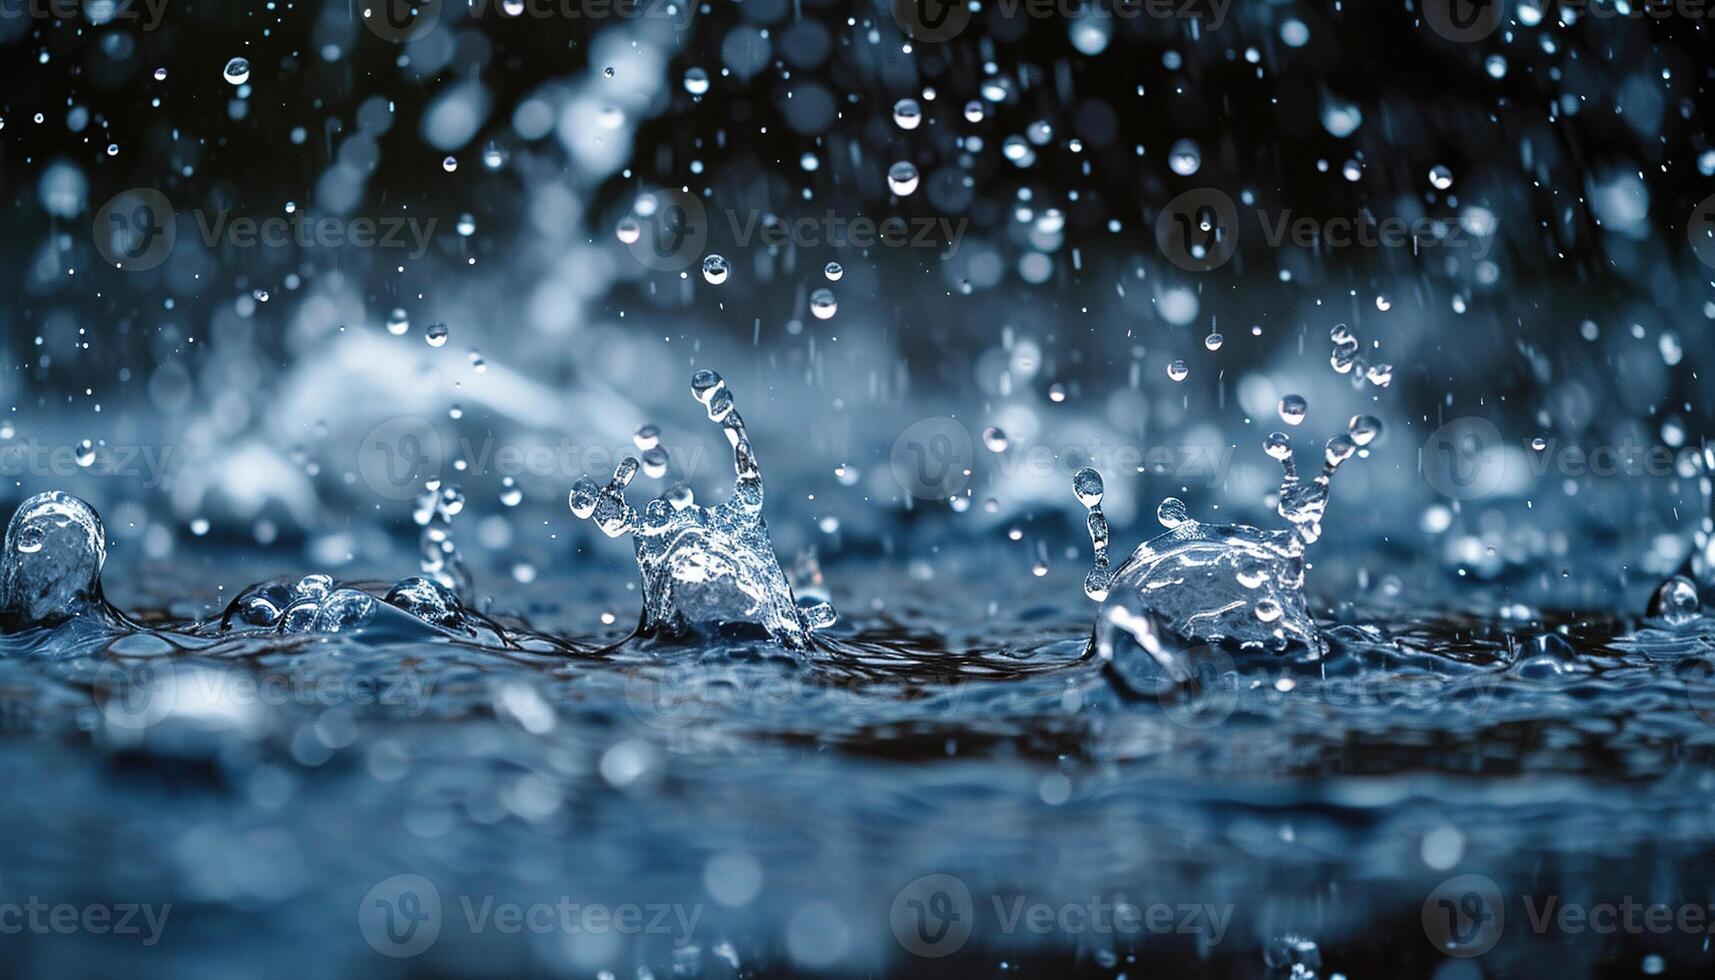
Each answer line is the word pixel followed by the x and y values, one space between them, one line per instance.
pixel 822 304
pixel 647 437
pixel 974 111
pixel 86 453
pixel 715 269
pixel 607 72
pixel 907 114
pixel 1292 409
pixel 1177 371
pixel 629 230
pixel 437 334
pixel 450 163
pixel 833 271
pixel 1185 158
pixel 160 74
pixel 1440 177
pixel 1171 513
pixel 467 225
pixel 1364 429
pixel 398 322
pixel 902 177
pixel 994 439
pixel 510 493
pixel 696 81
pixel 1213 341
pixel 237 71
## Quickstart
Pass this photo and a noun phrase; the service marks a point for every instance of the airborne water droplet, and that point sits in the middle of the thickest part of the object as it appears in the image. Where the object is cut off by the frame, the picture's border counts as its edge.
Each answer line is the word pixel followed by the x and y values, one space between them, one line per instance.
pixel 237 71
pixel 902 177
pixel 1292 409
pixel 1177 371
pixel 907 114
pixel 833 271
pixel 822 304
pixel 715 269
pixel 437 334
pixel 398 322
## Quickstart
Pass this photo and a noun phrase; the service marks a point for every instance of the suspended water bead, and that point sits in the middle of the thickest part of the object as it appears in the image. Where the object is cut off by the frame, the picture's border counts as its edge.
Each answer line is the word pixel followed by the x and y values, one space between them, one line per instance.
pixel 974 111
pixel 1171 512
pixel 629 230
pixel 237 71
pixel 716 269
pixel 822 304
pixel 437 334
pixel 647 437
pixel 1364 429
pixel 1383 303
pixel 398 322
pixel 1278 445
pixel 1440 177
pixel 1352 171
pixel 160 74
pixel 1185 158
pixel 696 81
pixel 995 440
pixel 1539 444
pixel 493 157
pixel 907 114
pixel 467 225
pixel 1177 371
pixel 85 453
pixel 113 149
pixel 450 163
pixel 655 462
pixel 1292 409
pixel 1676 602
pixel 1380 375
pixel 833 271
pixel 607 72
pixel 902 177
pixel 1213 341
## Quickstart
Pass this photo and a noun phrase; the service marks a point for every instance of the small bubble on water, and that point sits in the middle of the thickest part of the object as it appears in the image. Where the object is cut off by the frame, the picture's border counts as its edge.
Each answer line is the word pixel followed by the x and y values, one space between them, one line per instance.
pixel 907 114
pixel 237 71
pixel 437 334
pixel 715 269
pixel 822 304
pixel 1293 409
pixel 902 177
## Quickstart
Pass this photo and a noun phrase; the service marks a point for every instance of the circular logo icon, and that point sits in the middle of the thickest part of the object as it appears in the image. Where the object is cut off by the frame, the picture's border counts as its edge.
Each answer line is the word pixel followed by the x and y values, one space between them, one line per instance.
pixel 932 20
pixel 1208 693
pixel 1464 916
pixel 933 459
pixel 401 916
pixel 401 21
pixel 1699 680
pixel 1464 459
pixel 933 916
pixel 1701 231
pixel 1464 21
pixel 134 695
pixel 398 456
pixel 672 229
pixel 663 698
pixel 135 230
pixel 1199 230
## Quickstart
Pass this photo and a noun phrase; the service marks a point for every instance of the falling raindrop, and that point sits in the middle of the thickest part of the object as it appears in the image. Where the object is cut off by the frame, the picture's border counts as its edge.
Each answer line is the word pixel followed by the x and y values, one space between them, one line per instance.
pixel 907 114
pixel 822 304
pixel 437 334
pixel 715 269
pixel 237 71
pixel 902 177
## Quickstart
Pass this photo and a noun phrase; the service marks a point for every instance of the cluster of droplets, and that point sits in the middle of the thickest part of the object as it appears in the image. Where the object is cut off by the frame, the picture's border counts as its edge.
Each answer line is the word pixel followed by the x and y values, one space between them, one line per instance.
pixel 1347 359
pixel 438 554
pixel 702 566
pixel 1302 502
